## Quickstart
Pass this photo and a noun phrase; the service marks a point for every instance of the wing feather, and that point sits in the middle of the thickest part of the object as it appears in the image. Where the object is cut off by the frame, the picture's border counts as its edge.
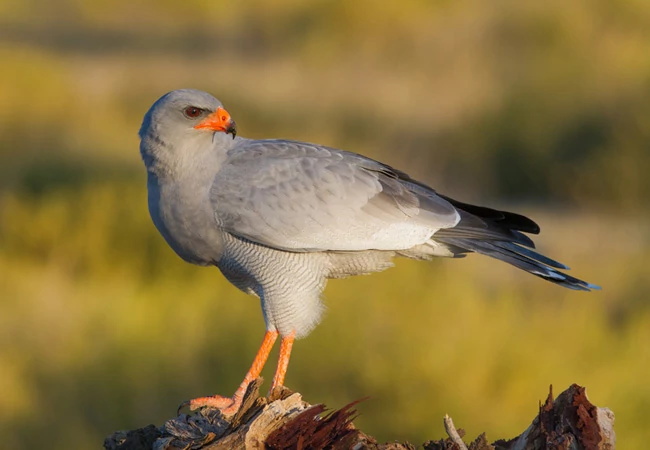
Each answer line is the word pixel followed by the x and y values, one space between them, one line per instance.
pixel 303 197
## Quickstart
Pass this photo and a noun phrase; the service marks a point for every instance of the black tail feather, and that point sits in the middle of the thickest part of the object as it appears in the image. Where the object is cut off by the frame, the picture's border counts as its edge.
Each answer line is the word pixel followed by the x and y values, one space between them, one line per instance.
pixel 505 219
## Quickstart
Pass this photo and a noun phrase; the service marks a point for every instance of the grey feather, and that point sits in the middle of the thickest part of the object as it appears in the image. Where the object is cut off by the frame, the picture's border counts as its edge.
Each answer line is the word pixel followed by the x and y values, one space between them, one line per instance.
pixel 303 197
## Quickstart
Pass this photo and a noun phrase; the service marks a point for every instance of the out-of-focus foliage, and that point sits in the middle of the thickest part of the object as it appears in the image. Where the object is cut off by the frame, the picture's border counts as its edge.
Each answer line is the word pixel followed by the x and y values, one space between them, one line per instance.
pixel 528 100
pixel 541 104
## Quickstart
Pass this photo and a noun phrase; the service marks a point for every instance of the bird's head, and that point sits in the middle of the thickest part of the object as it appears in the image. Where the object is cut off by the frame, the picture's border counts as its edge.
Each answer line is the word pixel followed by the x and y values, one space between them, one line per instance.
pixel 185 121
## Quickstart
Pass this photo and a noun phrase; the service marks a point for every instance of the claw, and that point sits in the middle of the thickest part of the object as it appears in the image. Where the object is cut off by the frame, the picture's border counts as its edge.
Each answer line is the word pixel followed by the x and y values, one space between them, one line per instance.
pixel 230 405
pixel 181 406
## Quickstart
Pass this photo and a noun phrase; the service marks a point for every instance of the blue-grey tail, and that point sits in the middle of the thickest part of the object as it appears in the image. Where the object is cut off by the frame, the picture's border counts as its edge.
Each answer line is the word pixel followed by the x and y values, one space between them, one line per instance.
pixel 499 234
pixel 522 258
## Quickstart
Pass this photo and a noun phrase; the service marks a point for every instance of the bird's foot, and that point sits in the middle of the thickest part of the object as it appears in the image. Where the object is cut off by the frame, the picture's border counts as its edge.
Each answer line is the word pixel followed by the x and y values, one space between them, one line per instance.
pixel 227 405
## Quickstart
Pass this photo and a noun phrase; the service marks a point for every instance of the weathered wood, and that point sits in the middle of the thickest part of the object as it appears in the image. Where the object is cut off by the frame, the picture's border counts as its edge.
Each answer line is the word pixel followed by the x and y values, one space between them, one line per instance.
pixel 569 422
pixel 285 421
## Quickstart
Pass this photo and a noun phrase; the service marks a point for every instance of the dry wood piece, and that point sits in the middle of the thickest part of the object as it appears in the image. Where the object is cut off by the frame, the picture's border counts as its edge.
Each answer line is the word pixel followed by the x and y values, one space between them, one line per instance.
pixel 450 428
pixel 285 421
pixel 571 422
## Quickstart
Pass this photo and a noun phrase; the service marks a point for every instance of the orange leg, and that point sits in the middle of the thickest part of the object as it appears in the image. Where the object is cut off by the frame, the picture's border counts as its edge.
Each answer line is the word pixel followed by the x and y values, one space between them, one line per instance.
pixel 230 405
pixel 283 361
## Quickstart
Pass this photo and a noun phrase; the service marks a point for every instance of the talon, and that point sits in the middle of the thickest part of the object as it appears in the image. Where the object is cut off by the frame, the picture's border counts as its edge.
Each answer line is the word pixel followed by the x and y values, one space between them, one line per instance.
pixel 183 405
pixel 230 405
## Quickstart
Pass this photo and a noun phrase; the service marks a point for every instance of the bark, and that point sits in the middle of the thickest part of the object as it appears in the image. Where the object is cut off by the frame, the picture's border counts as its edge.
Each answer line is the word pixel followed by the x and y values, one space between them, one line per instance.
pixel 285 421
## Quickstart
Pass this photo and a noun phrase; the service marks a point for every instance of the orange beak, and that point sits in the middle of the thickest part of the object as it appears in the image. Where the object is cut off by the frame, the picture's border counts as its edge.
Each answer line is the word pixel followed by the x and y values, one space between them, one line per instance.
pixel 219 120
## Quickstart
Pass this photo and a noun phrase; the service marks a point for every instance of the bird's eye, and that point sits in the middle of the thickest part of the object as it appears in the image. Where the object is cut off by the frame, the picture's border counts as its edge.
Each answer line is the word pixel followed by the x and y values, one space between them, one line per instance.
pixel 192 112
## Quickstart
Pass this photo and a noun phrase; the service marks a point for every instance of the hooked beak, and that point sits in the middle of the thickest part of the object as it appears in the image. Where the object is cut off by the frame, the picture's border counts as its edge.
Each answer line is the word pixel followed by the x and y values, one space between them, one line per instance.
pixel 219 120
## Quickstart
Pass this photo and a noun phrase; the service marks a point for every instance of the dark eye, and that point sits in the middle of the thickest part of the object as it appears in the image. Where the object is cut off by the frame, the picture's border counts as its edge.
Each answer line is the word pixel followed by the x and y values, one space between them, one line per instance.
pixel 192 112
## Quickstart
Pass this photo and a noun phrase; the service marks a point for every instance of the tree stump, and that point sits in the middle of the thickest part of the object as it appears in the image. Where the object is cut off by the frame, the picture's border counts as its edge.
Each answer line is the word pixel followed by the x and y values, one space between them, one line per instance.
pixel 285 421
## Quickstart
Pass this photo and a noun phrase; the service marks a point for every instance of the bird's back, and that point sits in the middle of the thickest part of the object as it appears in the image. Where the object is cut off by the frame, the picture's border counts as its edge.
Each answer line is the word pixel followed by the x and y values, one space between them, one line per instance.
pixel 304 197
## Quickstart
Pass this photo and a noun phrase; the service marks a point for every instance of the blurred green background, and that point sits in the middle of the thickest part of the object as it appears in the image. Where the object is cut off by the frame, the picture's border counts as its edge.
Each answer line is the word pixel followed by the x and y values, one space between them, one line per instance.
pixel 541 107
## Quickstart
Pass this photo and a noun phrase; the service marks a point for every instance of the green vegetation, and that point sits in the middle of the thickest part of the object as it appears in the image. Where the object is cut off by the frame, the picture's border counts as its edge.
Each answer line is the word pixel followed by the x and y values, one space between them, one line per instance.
pixel 539 107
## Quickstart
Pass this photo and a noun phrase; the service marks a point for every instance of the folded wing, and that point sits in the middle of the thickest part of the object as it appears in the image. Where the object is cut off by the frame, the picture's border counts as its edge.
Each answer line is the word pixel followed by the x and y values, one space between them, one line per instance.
pixel 303 197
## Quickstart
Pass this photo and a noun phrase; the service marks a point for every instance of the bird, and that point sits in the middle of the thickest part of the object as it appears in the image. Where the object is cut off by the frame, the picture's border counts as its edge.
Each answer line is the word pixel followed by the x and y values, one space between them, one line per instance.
pixel 279 218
